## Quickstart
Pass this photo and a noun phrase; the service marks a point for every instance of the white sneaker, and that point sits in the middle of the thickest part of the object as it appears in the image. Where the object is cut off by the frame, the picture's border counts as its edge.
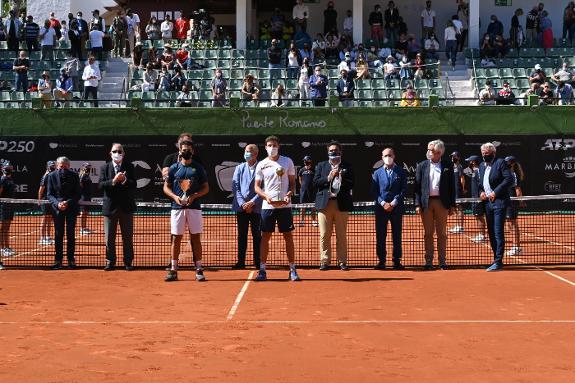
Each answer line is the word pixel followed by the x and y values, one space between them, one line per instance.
pixel 1 266
pixel 314 223
pixel 456 230
pixel 302 224
pixel 8 252
pixel 44 241
pixel 478 238
pixel 85 231
pixel 515 250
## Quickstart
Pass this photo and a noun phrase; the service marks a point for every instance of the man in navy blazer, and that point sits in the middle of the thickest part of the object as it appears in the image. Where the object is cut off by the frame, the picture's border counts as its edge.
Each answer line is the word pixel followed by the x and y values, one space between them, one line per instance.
pixel 248 206
pixel 333 181
pixel 388 186
pixel 435 200
pixel 63 192
pixel 495 179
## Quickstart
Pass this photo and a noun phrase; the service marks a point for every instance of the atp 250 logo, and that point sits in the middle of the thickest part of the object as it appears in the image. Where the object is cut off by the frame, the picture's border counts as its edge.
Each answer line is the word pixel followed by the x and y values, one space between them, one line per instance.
pixel 17 146
pixel 559 144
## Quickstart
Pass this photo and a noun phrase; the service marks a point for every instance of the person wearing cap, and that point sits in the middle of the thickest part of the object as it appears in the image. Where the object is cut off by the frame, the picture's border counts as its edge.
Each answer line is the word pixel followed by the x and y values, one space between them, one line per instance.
pixel 91 77
pixel 505 96
pixel 477 208
pixel 512 211
pixel 564 93
pixel 86 191
pixel 345 89
pixel 7 190
pixel 390 68
pixel 45 89
pixel 118 182
pixel 318 83
pixel 167 28
pixel 537 75
pixel 64 87
pixel 47 212
pixel 459 178
pixel 487 95
pixel 495 179
pixel 348 64
pixel 306 191
pixel 334 181
pixel 219 87
pixel 96 42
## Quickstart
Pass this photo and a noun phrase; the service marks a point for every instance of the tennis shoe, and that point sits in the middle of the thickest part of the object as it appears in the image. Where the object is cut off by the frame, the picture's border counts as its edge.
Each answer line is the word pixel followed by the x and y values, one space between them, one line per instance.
pixel 44 241
pixel 200 275
pixel 262 276
pixel 495 267
pixel 323 266
pixel 85 231
pixel 301 224
pixel 479 238
pixel 56 266
pixel 8 252
pixel 456 230
pixel 2 266
pixel 172 276
pixel 293 276
pixel 343 266
pixel 515 250
pixel 314 223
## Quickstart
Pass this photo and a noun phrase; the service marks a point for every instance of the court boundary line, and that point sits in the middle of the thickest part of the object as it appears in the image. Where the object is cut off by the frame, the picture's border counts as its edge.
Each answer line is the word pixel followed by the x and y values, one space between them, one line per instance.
pixel 559 244
pixel 240 296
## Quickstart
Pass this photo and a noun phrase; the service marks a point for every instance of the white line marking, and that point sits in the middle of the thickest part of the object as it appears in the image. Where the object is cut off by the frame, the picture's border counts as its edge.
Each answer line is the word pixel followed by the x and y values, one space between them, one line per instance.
pixel 25 234
pixel 551 242
pixel 240 296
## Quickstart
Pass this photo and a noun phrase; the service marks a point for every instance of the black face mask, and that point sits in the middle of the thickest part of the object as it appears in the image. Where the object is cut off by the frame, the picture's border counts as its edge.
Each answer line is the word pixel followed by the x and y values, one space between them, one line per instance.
pixel 455 160
pixel 488 158
pixel 7 172
pixel 186 155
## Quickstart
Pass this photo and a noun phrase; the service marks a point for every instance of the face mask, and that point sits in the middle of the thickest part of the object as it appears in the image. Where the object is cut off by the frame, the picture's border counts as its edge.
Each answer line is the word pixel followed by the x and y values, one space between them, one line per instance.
pixel 186 155
pixel 272 151
pixel 248 156
pixel 218 75
pixel 429 154
pixel 117 156
pixel 454 160
pixel 334 156
pixel 492 21
pixel 7 172
pixel 388 161
pixel 488 158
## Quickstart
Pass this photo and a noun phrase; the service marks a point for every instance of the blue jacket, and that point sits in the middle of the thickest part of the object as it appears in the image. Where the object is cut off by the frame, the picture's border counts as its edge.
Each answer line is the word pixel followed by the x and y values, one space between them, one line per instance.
pixel 387 190
pixel 318 90
pixel 500 180
pixel 243 188
pixel 69 192
pixel 341 84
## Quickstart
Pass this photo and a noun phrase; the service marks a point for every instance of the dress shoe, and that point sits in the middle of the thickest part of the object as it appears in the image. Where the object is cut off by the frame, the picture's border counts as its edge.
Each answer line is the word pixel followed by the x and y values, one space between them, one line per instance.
pixel 343 266
pixel 109 267
pixel 428 267
pixel 129 267
pixel 56 266
pixel 444 267
pixel 398 266
pixel 380 266
pixel 72 265
pixel 239 266
pixel 324 267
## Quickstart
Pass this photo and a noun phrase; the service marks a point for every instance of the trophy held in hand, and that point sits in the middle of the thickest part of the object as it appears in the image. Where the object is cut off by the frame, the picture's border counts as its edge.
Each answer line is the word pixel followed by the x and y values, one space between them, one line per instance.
pixel 185 185
pixel 279 199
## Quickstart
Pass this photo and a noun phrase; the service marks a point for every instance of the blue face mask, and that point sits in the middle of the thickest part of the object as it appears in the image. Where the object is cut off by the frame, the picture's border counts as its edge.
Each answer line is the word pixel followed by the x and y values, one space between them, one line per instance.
pixel 334 156
pixel 248 156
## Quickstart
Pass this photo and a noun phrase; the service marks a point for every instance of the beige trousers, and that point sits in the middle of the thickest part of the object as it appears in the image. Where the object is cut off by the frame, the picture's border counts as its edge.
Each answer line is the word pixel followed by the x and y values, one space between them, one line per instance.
pixel 435 219
pixel 327 218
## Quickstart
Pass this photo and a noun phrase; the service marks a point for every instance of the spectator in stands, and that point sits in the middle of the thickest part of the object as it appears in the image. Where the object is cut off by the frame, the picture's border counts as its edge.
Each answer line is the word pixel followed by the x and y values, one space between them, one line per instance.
pixel 431 46
pixel 547 96
pixel 75 38
pixel 185 99
pixel 181 25
pixel 72 66
pixel 178 79
pixel 119 31
pixel 2 30
pixel 219 87
pixel 133 31
pixel 463 16
pixel 569 21
pixel 64 31
pixel 535 89
pixel 419 67
pixel 318 83
pixel 413 47
pixel 373 58
pixel 516 35
pixel 303 81
pixel 98 21
pixel 319 42
pixel 409 97
pixel 31 33
pixel 564 74
pixel 300 16
pixel 495 27
pixel 348 24
pixel 348 65
pixel 376 22
pixel 91 77
pixel 250 91
pixel 167 27
pixel 84 30
pixel 401 46
pixel 96 42
pixel 54 23
pixel 318 56
pixel 45 90
pixel 20 67
pixel 293 62
pixel 164 84
pixel 546 30
pixel 486 51
pixel 391 23
pixel 47 40
pixel 306 52
pixel 458 25
pixel 427 20
pixel 331 44
pixel 277 24
pixel 532 25
pixel 274 59
pixel 329 18
pixel 487 95
pixel 13 28
pixel 405 68
pixel 505 96
pixel 390 69
pixel 346 89
pixel 538 75
pixel 153 29
pixel 167 59
pixel 564 93
pixel 64 88
pixel 499 46
pixel 278 96
pixel 138 55
pixel 451 43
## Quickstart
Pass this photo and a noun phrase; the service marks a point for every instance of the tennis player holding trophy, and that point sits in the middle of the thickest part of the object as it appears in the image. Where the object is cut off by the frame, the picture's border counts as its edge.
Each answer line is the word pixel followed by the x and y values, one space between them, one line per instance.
pixel 275 184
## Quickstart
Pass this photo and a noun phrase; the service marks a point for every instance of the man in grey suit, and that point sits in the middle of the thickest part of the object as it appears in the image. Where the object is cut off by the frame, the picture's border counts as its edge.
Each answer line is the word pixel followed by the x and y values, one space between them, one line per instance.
pixel 118 182
pixel 435 200
pixel 248 206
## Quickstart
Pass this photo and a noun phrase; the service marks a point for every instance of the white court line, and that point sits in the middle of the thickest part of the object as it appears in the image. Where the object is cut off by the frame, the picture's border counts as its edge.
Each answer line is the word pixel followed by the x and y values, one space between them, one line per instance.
pixel 25 234
pixel 240 296
pixel 294 322
pixel 551 242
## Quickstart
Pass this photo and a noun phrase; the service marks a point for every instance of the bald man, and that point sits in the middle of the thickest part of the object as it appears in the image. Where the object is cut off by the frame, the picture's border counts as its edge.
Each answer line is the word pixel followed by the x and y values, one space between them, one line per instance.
pixel 247 205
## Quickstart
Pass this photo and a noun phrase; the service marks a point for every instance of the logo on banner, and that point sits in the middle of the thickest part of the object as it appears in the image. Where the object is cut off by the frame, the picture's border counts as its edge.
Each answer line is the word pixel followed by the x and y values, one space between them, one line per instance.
pixel 97 165
pixel 552 187
pixel 559 144
pixel 142 182
pixel 567 166
pixel 17 146
pixel 280 120
pixel 225 174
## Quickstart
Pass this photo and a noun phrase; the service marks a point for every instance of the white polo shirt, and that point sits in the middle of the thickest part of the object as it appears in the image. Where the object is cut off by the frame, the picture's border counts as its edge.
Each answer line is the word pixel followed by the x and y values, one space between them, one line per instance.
pixel 272 182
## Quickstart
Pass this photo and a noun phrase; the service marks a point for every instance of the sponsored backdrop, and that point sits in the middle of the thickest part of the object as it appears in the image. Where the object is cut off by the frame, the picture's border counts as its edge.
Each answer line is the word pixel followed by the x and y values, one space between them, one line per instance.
pixel 549 162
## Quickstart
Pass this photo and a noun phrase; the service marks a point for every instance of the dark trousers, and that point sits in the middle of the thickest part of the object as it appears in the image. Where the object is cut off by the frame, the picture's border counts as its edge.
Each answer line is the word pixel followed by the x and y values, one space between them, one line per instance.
pixel 65 221
pixel 97 52
pixel 91 91
pixel 126 221
pixel 22 82
pixel 76 50
pixel 381 219
pixel 319 102
pixel 495 219
pixel 244 221
pixel 32 45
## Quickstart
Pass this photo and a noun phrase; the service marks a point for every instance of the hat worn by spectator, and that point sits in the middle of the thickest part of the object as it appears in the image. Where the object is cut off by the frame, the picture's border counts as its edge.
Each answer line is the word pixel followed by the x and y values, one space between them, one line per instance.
pixel 455 154
pixel 86 165
pixel 537 66
pixel 505 83
pixel 50 164
pixel 473 158
pixel 46 73
pixel 510 159
pixel 307 158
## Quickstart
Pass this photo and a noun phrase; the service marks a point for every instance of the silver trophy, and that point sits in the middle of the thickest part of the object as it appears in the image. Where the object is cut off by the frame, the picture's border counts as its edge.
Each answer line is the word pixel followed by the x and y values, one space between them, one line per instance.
pixel 185 185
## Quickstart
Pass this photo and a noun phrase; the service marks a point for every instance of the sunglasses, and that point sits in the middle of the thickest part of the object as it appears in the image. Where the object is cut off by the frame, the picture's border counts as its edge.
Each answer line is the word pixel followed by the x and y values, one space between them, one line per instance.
pixel 117 151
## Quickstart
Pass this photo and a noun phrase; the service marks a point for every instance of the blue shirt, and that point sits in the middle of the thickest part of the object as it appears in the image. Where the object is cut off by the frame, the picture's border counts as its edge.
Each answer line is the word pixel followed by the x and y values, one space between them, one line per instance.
pixel 243 188
pixel 194 172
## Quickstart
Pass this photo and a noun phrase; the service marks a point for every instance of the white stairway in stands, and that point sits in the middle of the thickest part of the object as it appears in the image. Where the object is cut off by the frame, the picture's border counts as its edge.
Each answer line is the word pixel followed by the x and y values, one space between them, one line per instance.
pixel 459 81
pixel 112 82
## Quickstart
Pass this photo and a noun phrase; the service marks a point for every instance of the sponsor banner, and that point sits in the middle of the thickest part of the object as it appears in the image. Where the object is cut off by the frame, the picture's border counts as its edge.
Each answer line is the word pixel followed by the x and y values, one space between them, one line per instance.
pixel 548 162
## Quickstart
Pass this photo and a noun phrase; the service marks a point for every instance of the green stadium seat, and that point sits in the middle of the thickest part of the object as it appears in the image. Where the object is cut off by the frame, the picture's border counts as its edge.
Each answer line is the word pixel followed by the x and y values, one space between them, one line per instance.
pixel 263 73
pixel 379 95
pixel 333 73
pixel 236 84
pixel 365 94
pixel 435 84
pixel 276 82
pixel 211 54
pixel 293 84
pixel 197 54
pixel 224 54
pixel 137 74
pixel 363 84
pixel 506 73
pixel 519 72
pixel 263 63
pixel 391 83
pixel 394 97
pixel 205 84
pixel 420 83
pixel 491 73
pixel 480 73
pixel 224 64
pixel 251 63
pixel 377 84
pixel 423 94
pixel 3 45
pixel 365 103
pixel 522 83
pixel 532 52
pixel 158 44
pixel 205 95
pixel 333 83
pixel 238 54
pixel 512 83
pixel 404 83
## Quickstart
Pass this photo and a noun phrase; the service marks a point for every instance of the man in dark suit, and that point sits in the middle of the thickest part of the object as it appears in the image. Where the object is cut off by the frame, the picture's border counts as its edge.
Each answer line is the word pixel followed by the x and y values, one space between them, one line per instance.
pixel 333 181
pixel 118 182
pixel 388 186
pixel 435 200
pixel 495 180
pixel 63 192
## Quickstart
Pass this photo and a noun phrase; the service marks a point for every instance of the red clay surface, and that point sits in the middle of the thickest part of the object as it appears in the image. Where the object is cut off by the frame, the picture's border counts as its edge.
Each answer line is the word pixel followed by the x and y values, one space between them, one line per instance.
pixel 361 326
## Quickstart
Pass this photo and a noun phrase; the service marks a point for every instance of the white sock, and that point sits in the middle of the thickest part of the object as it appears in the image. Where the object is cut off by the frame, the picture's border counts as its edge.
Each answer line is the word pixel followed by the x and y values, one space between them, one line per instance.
pixel 292 266
pixel 198 265
pixel 174 264
pixel 262 266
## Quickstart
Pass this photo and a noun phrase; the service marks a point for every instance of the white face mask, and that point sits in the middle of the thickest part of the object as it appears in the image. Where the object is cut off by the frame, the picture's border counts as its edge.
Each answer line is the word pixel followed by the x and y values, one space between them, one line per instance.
pixel 429 154
pixel 388 161
pixel 272 151
pixel 117 156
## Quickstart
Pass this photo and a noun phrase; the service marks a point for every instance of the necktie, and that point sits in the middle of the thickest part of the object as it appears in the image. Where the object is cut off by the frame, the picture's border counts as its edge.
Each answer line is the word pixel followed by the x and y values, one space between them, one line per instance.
pixel 117 168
